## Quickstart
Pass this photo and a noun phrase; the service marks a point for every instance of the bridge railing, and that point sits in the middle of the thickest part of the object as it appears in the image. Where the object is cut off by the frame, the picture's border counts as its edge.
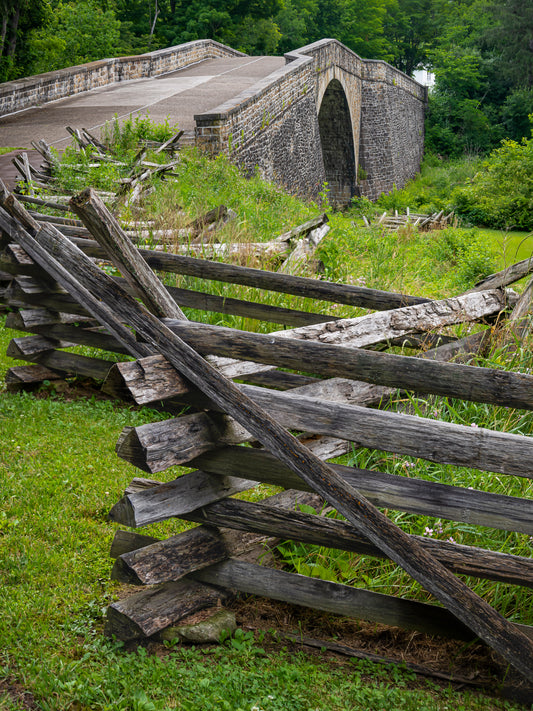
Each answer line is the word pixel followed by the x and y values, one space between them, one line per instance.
pixel 42 88
pixel 240 118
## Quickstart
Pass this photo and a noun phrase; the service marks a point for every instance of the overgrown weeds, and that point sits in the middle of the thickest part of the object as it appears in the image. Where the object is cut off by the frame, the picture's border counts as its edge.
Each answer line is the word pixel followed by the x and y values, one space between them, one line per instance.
pixel 123 137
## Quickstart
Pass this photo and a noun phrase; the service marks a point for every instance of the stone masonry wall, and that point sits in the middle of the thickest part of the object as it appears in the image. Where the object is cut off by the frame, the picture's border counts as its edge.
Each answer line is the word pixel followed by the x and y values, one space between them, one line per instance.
pixel 34 91
pixel 273 127
pixel 392 129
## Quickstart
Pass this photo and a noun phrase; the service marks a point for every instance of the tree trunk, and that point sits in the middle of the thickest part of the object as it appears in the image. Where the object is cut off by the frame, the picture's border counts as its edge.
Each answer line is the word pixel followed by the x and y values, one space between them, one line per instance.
pixel 3 33
pixel 11 47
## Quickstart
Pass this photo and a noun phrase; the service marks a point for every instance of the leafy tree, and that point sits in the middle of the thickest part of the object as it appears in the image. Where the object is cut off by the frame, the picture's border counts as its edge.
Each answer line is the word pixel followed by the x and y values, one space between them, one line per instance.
pixel 220 20
pixel 512 37
pixel 18 18
pixel 466 105
pixel 143 24
pixel 412 28
pixel 77 33
pixel 361 27
pixel 515 111
pixel 296 21
pixel 501 192
pixel 260 36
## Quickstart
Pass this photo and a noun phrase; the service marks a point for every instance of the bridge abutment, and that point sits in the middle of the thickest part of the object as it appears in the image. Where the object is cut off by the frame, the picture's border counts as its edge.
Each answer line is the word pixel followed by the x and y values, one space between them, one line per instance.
pixel 337 145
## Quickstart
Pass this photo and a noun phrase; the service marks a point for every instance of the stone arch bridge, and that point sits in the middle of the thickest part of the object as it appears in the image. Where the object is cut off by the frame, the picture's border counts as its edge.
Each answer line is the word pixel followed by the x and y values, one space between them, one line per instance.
pixel 320 114
pixel 326 116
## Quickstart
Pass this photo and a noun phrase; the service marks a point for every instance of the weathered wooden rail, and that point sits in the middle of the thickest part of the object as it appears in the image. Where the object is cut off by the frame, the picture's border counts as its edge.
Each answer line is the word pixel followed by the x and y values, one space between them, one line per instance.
pixel 58 294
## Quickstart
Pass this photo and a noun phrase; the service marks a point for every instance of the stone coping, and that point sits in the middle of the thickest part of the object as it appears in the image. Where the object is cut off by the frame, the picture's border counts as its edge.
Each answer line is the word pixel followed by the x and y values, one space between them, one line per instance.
pixel 375 70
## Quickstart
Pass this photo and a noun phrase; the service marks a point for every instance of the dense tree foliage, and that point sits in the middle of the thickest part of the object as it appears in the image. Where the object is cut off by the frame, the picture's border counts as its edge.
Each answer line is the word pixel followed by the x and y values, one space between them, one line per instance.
pixel 412 28
pixel 481 51
pixel 38 35
pixel 483 62
pixel 19 18
pixel 77 32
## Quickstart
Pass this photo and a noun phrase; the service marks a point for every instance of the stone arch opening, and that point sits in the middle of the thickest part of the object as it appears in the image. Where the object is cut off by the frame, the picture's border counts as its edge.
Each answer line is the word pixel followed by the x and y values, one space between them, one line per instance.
pixel 336 139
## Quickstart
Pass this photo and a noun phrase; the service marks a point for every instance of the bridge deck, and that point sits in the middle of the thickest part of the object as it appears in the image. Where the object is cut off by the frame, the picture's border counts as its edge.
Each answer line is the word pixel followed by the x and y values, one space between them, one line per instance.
pixel 178 95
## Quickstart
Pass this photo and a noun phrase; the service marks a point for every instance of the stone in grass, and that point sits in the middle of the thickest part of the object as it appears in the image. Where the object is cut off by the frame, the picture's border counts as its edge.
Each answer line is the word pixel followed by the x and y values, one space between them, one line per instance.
pixel 203 632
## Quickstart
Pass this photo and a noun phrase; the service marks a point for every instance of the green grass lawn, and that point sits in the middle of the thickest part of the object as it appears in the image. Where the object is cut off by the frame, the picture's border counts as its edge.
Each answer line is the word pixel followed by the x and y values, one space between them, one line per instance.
pixel 59 476
pixel 509 247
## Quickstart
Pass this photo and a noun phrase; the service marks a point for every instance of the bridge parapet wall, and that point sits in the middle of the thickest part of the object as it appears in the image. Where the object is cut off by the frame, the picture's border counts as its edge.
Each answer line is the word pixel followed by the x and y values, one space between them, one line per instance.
pixel 271 127
pixel 36 90
pixel 379 71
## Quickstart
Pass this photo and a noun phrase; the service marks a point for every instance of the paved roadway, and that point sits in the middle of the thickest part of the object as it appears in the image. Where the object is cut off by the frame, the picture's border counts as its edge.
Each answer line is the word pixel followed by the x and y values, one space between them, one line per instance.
pixel 178 95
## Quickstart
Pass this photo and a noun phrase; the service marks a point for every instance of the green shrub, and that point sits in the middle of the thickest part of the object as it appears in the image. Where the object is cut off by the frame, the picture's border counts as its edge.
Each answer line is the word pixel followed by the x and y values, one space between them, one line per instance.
pixel 362 206
pixel 431 190
pixel 77 169
pixel 500 194
pixel 465 253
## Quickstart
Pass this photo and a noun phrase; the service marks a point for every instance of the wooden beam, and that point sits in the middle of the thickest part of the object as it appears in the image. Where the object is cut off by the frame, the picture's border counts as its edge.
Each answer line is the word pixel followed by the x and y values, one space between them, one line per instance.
pixel 153 562
pixel 105 228
pixel 261 279
pixel 151 610
pixel 27 319
pixel 184 298
pixel 332 597
pixel 506 276
pixel 161 561
pixel 226 471
pixel 28 375
pixel 170 559
pixel 453 593
pixel 304 229
pixel 99 310
pixel 375 328
pixel 519 324
pixel 384 490
pixel 151 449
pixel 79 336
pixel 423 375
pixel 432 440
pixel 140 507
pixel 61 361
pixel 150 380
pixel 17 297
pixel 338 599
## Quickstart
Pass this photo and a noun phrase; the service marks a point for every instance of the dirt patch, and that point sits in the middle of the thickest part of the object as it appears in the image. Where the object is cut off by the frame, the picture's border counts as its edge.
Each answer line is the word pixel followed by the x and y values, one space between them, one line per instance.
pixel 473 661
pixel 17 694
pixel 69 391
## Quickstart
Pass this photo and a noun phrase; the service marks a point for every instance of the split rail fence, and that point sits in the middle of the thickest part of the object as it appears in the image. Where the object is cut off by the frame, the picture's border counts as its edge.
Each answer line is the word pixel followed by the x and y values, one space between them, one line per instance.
pixel 318 378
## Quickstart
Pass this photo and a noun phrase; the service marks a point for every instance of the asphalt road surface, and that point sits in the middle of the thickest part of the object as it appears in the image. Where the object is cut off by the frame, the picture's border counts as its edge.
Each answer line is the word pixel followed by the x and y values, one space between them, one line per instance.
pixel 178 95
